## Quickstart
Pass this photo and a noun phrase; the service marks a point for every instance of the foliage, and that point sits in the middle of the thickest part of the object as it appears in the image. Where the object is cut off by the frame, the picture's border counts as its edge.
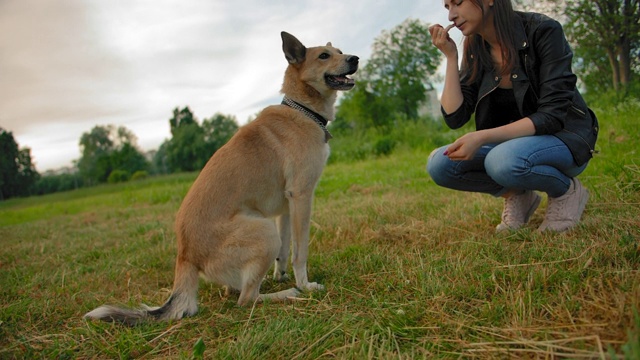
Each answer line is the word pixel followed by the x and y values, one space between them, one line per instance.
pixel 218 130
pixel 139 175
pixel 17 172
pixel 606 32
pixel 107 148
pixel 393 83
pixel 192 145
pixel 118 176
pixel 50 183
pixel 424 134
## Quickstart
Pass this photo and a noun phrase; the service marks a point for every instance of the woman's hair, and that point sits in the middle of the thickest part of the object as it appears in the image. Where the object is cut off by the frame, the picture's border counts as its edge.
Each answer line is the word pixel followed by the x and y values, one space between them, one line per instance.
pixel 475 54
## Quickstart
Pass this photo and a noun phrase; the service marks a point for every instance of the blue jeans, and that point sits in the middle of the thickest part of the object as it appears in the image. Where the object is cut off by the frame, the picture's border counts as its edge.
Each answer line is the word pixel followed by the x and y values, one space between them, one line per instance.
pixel 542 163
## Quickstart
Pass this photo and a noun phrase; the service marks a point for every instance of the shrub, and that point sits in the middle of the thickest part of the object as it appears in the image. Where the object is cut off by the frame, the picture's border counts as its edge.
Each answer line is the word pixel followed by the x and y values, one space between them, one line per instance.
pixel 384 146
pixel 117 176
pixel 139 175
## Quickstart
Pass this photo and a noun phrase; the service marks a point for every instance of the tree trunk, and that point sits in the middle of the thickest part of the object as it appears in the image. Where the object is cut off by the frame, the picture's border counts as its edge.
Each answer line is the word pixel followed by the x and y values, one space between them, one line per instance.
pixel 625 64
pixel 615 67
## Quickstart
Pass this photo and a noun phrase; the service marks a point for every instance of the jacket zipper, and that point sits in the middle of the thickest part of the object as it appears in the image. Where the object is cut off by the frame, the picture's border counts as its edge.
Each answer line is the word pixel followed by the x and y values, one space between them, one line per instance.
pixel 578 110
pixel 483 96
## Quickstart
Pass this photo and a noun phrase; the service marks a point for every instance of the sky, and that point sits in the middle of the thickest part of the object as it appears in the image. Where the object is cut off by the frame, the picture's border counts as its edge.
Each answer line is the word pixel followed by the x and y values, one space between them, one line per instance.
pixel 69 65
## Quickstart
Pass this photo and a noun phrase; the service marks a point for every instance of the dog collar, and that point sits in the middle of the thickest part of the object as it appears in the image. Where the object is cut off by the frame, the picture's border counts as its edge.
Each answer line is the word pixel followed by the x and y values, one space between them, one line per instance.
pixel 310 114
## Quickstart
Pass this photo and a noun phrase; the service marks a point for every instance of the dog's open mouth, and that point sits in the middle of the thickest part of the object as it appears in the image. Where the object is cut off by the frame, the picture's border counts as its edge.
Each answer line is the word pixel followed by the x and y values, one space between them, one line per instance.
pixel 340 82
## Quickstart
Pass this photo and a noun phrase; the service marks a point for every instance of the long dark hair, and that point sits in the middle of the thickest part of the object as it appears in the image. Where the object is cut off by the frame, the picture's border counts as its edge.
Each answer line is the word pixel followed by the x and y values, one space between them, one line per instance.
pixel 475 53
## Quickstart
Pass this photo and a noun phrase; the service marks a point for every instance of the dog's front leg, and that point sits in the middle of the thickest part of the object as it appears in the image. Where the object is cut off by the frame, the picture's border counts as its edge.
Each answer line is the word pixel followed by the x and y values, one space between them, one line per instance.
pixel 300 210
pixel 282 261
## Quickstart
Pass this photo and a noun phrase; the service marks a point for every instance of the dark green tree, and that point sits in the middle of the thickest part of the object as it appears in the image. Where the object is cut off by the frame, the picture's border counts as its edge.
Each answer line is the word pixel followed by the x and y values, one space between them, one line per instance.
pixel 186 150
pixel 218 130
pixel 129 159
pixel 192 145
pixel 606 34
pixel 107 148
pixel 181 118
pixel 17 172
pixel 95 147
pixel 393 83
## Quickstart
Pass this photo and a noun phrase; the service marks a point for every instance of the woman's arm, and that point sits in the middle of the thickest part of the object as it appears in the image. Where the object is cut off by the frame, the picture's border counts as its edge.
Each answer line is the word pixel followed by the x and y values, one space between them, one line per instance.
pixel 457 100
pixel 556 81
pixel 465 147
pixel 452 98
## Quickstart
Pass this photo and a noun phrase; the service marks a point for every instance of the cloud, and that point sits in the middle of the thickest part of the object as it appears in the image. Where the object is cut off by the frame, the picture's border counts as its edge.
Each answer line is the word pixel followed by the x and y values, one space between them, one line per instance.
pixel 73 64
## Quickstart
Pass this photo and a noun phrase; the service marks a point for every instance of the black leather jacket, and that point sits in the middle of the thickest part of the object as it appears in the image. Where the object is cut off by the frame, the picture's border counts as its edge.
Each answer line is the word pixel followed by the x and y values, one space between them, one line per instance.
pixel 544 88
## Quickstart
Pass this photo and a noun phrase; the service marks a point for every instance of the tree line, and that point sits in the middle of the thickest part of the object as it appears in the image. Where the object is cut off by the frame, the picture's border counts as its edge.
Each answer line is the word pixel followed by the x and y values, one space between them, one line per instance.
pixel 392 89
pixel 110 154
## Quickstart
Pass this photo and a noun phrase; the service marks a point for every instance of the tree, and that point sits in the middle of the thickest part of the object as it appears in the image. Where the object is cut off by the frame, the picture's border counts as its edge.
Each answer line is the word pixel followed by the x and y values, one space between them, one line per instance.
pixel 394 82
pixel 95 147
pixel 218 130
pixel 107 148
pixel 186 150
pixel 609 27
pixel 192 145
pixel 181 118
pixel 17 172
pixel 129 159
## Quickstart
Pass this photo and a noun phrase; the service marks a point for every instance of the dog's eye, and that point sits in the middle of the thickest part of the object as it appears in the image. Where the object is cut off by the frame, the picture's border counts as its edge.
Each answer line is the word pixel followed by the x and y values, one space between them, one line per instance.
pixel 324 56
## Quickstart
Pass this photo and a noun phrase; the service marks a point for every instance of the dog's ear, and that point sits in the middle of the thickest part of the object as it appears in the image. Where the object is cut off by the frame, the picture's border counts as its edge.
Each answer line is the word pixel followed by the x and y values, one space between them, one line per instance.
pixel 329 44
pixel 293 49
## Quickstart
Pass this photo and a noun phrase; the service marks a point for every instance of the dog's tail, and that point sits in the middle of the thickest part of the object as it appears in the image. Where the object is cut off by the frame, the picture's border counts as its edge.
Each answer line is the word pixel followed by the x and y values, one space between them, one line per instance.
pixel 182 302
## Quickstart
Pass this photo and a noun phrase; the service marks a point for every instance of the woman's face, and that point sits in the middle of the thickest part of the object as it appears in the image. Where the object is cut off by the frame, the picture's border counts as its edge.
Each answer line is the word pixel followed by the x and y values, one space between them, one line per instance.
pixel 467 15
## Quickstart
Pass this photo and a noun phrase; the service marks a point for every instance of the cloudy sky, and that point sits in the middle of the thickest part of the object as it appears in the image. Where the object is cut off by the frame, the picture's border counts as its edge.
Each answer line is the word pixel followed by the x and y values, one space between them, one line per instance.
pixel 68 65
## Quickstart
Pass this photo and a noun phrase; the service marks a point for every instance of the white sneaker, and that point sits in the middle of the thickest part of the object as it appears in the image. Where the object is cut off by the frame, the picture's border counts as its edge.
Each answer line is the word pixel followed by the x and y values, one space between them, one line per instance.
pixel 517 210
pixel 564 212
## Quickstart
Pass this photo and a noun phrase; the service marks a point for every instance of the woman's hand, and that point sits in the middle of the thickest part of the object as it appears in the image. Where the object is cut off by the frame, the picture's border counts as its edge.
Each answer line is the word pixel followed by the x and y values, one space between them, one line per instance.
pixel 466 146
pixel 440 38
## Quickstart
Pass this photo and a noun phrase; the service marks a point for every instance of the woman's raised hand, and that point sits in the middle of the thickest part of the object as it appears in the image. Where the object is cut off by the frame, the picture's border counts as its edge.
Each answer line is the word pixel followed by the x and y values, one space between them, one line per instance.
pixel 440 38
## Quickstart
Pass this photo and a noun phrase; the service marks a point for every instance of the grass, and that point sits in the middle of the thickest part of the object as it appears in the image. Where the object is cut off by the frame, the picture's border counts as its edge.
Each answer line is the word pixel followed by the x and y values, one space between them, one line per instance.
pixel 411 271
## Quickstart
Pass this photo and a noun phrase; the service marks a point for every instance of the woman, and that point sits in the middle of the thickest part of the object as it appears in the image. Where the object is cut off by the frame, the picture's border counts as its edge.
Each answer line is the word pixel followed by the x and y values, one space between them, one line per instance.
pixel 534 131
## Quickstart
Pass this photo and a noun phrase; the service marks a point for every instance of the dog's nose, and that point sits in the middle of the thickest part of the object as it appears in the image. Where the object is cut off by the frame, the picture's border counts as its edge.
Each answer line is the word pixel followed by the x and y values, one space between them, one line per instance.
pixel 353 59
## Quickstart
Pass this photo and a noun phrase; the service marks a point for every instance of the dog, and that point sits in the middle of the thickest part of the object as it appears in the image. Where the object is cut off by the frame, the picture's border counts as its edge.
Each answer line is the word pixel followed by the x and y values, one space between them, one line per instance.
pixel 252 201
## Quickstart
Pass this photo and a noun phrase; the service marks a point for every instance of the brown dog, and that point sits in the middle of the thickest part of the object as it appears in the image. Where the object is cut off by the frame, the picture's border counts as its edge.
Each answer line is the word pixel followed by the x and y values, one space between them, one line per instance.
pixel 225 227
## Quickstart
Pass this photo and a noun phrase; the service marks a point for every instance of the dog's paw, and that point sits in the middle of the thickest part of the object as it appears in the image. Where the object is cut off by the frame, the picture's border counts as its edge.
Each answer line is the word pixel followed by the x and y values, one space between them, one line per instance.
pixel 312 286
pixel 280 276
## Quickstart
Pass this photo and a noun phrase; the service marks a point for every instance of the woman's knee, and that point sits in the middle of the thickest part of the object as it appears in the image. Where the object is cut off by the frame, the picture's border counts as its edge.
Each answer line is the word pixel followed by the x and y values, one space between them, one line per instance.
pixel 505 166
pixel 437 165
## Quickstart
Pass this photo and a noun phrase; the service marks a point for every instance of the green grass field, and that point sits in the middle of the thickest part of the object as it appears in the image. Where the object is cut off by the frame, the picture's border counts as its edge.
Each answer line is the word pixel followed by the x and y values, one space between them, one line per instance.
pixel 411 271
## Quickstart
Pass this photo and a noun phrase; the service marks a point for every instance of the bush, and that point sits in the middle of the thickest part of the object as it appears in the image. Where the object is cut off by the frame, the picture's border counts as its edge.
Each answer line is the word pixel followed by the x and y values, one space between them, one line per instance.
pixel 384 146
pixel 117 176
pixel 139 175
pixel 422 134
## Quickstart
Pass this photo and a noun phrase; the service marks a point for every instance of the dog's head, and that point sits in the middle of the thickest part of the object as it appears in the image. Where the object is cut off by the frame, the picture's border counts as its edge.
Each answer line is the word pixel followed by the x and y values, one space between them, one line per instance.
pixel 322 67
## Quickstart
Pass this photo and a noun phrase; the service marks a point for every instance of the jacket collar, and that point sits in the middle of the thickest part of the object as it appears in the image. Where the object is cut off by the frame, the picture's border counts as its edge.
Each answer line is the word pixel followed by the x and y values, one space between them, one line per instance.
pixel 520 36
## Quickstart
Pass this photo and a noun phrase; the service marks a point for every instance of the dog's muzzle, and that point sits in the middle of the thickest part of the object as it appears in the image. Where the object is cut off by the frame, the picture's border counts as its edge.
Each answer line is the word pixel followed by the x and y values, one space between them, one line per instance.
pixel 342 81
